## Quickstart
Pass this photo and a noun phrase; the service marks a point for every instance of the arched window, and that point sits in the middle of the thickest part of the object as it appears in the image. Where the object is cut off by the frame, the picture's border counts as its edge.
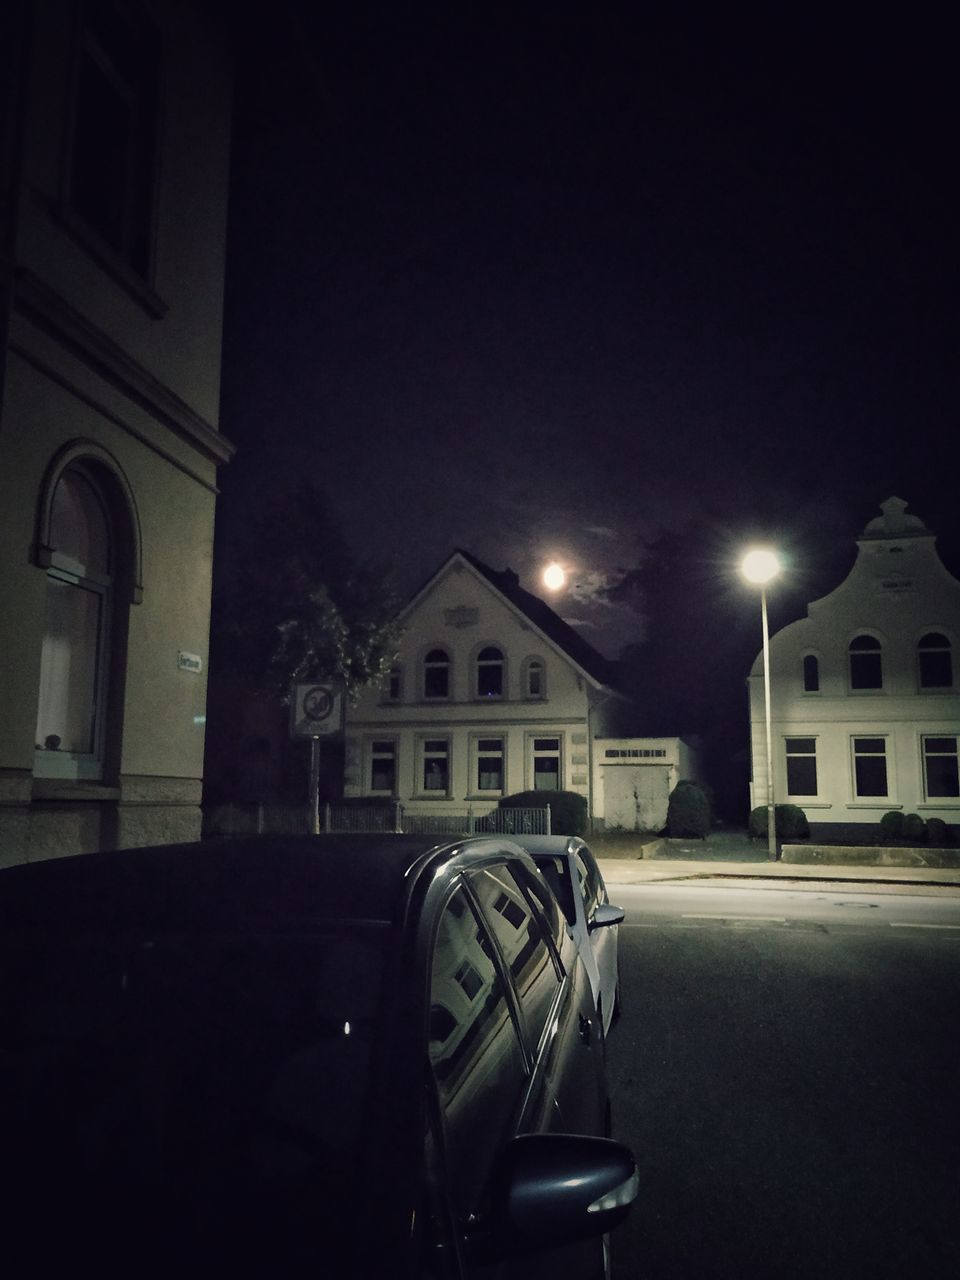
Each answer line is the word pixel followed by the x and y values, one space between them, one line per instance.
pixel 534 678
pixel 866 663
pixel 436 674
pixel 75 654
pixel 935 661
pixel 490 673
pixel 811 673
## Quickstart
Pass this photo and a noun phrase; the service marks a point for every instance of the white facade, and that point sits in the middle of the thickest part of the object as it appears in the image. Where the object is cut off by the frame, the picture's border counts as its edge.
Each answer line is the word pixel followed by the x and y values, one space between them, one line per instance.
pixel 492 694
pixel 865 701
pixel 115 169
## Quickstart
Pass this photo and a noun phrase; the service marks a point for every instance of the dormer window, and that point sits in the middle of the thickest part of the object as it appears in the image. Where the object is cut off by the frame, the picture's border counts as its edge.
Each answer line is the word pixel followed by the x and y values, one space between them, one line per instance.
pixel 490 673
pixel 436 674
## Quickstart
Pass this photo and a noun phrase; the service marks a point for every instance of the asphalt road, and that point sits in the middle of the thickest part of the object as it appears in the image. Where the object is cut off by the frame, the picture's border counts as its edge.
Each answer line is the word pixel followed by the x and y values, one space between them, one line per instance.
pixel 786 1069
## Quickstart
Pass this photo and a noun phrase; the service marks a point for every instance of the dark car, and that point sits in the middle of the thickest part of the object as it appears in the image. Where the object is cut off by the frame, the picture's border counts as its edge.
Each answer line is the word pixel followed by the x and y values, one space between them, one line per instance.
pixel 284 1056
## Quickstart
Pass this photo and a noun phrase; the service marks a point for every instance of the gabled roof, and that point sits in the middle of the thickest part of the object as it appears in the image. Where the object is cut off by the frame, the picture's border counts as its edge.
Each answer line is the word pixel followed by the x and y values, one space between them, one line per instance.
pixel 536 612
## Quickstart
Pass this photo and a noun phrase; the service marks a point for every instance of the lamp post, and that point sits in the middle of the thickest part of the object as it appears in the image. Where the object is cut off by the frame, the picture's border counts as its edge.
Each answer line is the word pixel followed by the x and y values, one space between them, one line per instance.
pixel 761 566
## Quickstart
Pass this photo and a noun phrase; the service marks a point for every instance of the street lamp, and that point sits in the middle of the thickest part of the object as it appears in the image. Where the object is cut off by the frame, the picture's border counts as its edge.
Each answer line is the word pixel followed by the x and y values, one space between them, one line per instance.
pixel 761 566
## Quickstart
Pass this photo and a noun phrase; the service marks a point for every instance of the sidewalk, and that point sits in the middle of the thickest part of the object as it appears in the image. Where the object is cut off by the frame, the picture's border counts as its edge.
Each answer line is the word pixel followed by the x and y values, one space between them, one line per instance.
pixel 733 856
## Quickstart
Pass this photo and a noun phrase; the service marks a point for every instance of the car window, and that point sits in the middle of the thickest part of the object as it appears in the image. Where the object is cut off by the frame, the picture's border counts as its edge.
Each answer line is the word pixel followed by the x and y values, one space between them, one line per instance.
pixel 556 872
pixel 544 899
pixel 589 876
pixel 523 942
pixel 474 1049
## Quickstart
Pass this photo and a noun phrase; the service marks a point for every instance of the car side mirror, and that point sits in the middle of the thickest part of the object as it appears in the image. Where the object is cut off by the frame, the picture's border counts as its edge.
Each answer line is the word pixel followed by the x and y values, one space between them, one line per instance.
pixel 556 1188
pixel 604 915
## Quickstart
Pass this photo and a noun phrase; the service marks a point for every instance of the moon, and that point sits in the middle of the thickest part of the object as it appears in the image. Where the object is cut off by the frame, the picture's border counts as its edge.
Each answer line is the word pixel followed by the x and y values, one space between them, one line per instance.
pixel 554 577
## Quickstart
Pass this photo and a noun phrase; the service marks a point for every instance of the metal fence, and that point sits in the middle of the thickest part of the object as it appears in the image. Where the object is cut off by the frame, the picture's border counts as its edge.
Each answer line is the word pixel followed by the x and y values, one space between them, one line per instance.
pixel 235 820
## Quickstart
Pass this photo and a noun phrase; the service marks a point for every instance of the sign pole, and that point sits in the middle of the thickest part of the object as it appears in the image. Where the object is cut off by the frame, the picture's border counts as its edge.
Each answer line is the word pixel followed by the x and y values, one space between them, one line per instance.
pixel 315 786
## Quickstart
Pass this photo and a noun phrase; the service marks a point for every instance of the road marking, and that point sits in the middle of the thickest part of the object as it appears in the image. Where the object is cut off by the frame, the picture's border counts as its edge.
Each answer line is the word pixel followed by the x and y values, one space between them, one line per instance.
pixel 718 915
pixel 896 924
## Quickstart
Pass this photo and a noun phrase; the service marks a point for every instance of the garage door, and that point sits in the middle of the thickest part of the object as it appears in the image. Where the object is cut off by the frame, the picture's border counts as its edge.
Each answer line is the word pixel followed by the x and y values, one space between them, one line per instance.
pixel 635 796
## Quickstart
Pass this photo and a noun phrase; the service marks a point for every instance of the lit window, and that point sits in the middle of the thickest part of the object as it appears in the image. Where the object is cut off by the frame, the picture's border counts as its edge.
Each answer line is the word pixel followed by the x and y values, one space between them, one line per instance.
pixel 546 764
pixel 75 651
pixel 436 674
pixel 490 673
pixel 811 673
pixel 112 168
pixel 866 663
pixel 935 661
pixel 870 766
pixel 383 766
pixel 435 765
pixel 940 767
pixel 489 764
pixel 801 766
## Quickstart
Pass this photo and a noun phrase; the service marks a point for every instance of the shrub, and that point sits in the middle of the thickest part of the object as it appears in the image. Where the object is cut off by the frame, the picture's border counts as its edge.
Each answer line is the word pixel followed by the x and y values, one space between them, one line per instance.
pixel 891 827
pixel 790 822
pixel 936 831
pixel 688 810
pixel 568 809
pixel 914 828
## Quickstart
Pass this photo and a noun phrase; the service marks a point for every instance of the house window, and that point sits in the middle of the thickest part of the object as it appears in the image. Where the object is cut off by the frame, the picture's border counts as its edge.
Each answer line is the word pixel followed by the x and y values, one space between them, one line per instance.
pixel 393 687
pixel 866 663
pixel 811 673
pixel 435 765
pixel 534 678
pixel 383 766
pixel 935 661
pixel 436 674
pixel 801 766
pixel 490 673
pixel 75 651
pixel 870 766
pixel 545 764
pixel 940 767
pixel 489 769
pixel 112 168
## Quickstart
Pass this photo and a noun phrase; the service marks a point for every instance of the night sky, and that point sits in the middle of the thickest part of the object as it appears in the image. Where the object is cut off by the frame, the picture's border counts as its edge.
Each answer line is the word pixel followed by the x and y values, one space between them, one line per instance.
pixel 555 281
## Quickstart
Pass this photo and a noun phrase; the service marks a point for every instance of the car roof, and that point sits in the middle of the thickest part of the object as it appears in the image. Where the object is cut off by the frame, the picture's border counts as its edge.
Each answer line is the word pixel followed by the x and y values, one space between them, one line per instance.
pixel 270 881
pixel 548 845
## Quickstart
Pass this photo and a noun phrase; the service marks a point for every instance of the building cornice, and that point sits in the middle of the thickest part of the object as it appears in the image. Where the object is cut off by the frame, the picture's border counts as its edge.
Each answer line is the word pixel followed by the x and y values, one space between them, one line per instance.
pixel 44 307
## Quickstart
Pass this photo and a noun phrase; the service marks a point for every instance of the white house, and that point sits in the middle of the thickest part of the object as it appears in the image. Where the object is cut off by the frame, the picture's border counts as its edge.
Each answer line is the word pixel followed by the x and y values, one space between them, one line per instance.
pixel 493 693
pixel 115 173
pixel 865 695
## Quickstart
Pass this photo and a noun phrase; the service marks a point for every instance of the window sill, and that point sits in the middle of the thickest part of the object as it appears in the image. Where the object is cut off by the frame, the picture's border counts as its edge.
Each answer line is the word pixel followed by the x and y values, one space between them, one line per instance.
pixel 881 802
pixel 71 789
pixel 493 796
pixel 433 795
pixel 948 802
pixel 809 802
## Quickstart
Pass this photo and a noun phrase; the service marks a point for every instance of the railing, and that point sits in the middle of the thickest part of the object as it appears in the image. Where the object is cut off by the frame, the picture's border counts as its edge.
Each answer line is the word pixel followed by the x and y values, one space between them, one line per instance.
pixel 235 820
